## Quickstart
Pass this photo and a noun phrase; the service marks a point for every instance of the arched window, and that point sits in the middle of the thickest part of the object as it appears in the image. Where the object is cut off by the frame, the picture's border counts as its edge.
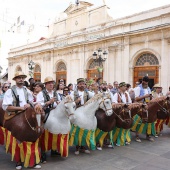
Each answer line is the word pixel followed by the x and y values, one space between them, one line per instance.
pixel 61 72
pixel 37 69
pixel 147 59
pixel 61 67
pixel 37 73
pixel 94 65
pixel 18 68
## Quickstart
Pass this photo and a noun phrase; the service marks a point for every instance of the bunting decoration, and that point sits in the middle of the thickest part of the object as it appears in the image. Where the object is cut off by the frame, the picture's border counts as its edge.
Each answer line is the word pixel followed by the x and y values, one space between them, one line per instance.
pixel 120 136
pixel 82 137
pixel 27 152
pixel 57 142
pixel 2 137
pixel 144 128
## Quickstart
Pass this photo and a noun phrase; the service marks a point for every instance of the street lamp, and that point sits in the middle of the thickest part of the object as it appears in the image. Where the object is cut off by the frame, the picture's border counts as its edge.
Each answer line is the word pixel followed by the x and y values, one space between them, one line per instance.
pixel 98 58
pixel 31 66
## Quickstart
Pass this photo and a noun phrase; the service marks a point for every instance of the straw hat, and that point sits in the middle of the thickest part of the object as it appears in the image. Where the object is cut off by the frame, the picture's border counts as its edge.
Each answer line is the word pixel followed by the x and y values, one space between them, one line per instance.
pixel 157 86
pixel 48 79
pixel 18 74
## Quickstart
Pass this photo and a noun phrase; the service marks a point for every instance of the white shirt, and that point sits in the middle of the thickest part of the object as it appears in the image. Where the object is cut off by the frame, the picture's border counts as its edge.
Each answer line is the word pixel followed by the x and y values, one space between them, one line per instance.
pixel 137 91
pixel 41 100
pixel 123 98
pixel 111 95
pixel 8 99
pixel 81 95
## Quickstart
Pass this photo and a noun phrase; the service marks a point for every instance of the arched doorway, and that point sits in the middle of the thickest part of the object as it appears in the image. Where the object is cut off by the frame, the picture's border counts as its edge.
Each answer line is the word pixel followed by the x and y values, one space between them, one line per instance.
pixel 147 64
pixel 93 72
pixel 61 72
pixel 37 73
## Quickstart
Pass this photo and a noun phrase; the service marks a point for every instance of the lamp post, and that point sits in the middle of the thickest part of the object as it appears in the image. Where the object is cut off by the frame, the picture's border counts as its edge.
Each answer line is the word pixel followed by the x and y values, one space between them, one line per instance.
pixel 31 66
pixel 98 58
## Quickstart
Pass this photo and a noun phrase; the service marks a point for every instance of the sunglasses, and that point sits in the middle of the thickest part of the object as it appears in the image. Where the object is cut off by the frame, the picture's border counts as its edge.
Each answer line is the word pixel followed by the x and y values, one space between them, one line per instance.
pixel 6 87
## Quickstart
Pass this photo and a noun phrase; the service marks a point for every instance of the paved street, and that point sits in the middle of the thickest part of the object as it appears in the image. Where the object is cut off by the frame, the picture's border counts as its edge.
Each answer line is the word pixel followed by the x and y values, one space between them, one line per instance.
pixel 144 156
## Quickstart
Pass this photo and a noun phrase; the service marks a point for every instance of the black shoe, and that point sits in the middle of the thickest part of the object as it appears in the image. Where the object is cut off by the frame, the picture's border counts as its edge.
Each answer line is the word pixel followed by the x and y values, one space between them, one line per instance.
pixel 55 153
pixel 43 158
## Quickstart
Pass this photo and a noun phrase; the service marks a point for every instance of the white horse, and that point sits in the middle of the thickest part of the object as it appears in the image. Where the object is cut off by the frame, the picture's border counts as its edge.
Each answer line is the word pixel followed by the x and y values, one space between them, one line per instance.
pixel 59 119
pixel 85 115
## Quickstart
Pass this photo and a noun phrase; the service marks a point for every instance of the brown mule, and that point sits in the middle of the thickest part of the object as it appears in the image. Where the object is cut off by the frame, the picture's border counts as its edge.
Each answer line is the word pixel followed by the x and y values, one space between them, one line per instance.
pixel 107 123
pixel 160 103
pixel 24 126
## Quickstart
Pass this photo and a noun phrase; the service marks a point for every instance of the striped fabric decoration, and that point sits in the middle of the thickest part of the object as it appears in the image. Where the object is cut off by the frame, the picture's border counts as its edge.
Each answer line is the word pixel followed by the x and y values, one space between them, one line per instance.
pixel 120 136
pixel 82 137
pixel 30 153
pixel 57 142
pixel 100 136
pixel 27 152
pixel 2 137
pixel 143 128
pixel 159 125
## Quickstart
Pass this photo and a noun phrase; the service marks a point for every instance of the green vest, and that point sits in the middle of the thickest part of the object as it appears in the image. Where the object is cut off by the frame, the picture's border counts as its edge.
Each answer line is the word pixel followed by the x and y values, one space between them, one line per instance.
pixel 16 96
pixel 47 97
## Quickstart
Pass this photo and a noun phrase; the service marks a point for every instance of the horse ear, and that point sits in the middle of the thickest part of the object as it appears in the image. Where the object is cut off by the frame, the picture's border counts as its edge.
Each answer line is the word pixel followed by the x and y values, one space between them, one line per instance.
pixel 167 98
pixel 143 105
pixel 126 105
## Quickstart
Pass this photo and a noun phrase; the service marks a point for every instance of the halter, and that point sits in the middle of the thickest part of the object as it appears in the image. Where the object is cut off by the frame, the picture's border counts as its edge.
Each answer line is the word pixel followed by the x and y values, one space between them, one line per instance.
pixel 163 108
pixel 33 128
pixel 104 103
pixel 123 111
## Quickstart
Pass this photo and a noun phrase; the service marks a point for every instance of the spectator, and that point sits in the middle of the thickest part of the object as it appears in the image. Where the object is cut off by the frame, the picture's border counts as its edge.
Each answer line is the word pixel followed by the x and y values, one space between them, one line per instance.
pixel 5 87
pixel 115 89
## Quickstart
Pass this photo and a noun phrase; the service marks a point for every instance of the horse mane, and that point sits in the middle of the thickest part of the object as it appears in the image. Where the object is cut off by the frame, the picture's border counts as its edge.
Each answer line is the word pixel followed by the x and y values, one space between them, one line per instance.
pixel 135 105
pixel 96 97
pixel 68 98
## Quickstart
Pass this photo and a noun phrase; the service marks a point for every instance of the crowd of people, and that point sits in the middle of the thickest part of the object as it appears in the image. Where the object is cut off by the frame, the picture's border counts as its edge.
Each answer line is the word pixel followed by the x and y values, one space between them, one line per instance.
pixel 49 94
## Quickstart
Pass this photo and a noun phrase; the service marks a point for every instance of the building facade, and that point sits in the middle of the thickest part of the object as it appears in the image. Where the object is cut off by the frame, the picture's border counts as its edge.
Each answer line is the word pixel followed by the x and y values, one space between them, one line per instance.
pixel 137 45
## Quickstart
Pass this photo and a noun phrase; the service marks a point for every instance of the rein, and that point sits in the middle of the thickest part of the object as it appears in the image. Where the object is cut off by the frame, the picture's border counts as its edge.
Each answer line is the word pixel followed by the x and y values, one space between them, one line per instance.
pixel 163 108
pixel 122 111
pixel 33 128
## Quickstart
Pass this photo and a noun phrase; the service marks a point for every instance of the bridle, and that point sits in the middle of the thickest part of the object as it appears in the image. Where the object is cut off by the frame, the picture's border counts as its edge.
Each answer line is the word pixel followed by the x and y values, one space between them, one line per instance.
pixel 123 111
pixel 33 128
pixel 141 115
pixel 102 102
pixel 165 104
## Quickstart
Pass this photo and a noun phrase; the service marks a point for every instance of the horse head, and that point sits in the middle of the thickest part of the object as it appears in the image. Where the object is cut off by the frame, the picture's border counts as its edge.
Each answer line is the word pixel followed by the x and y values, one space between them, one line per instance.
pixel 39 113
pixel 140 109
pixel 143 113
pixel 105 104
pixel 70 107
pixel 124 118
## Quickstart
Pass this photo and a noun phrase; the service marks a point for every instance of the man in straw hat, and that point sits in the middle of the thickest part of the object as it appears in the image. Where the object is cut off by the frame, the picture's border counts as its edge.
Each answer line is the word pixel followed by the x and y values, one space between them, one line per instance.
pixel 48 98
pixel 143 94
pixel 157 91
pixel 81 96
pixel 16 99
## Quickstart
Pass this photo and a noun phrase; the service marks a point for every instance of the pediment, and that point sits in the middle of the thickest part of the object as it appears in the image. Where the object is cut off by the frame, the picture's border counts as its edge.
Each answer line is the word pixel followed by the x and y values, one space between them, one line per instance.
pixel 74 8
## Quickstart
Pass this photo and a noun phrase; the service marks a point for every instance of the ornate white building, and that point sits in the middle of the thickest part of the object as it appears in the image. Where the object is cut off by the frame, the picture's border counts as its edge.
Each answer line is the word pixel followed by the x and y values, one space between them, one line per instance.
pixel 137 45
